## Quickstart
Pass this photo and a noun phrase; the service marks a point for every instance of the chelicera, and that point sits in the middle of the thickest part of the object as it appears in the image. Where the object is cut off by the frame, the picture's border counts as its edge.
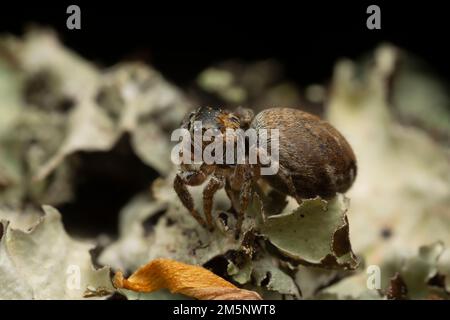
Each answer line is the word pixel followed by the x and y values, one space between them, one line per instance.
pixel 314 160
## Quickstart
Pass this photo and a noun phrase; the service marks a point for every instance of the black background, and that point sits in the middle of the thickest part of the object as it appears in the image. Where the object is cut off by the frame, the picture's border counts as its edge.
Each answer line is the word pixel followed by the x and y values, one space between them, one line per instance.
pixel 158 309
pixel 182 38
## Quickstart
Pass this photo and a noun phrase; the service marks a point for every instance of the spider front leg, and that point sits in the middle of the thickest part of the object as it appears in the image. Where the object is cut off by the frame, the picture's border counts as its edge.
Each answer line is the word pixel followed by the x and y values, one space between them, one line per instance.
pixel 242 180
pixel 231 193
pixel 216 183
pixel 179 185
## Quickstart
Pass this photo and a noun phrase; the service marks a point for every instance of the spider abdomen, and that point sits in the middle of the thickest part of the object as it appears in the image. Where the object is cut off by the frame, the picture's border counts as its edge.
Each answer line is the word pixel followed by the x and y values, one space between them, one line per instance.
pixel 317 158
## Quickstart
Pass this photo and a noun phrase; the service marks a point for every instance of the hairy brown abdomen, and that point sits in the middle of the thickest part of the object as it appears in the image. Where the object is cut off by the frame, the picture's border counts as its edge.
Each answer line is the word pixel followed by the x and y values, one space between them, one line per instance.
pixel 312 152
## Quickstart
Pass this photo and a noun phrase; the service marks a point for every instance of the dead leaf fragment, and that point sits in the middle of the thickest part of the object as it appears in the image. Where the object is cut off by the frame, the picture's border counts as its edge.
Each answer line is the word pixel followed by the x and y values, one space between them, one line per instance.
pixel 190 280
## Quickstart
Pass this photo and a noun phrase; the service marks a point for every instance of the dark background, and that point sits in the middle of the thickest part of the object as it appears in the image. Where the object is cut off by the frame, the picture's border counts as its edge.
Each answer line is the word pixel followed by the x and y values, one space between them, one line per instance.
pixel 183 38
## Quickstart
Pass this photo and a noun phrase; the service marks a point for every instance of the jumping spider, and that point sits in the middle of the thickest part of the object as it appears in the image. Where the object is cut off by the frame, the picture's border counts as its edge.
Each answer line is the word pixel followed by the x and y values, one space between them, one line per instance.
pixel 314 160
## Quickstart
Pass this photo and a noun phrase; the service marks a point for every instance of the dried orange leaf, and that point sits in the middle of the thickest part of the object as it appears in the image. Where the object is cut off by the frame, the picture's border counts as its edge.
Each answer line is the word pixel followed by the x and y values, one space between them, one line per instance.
pixel 190 280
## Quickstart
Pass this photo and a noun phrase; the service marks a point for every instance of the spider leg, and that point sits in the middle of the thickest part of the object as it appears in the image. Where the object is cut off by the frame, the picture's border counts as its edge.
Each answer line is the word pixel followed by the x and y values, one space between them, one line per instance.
pixel 237 177
pixel 216 183
pixel 286 177
pixel 242 180
pixel 179 185
pixel 231 193
pixel 282 173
